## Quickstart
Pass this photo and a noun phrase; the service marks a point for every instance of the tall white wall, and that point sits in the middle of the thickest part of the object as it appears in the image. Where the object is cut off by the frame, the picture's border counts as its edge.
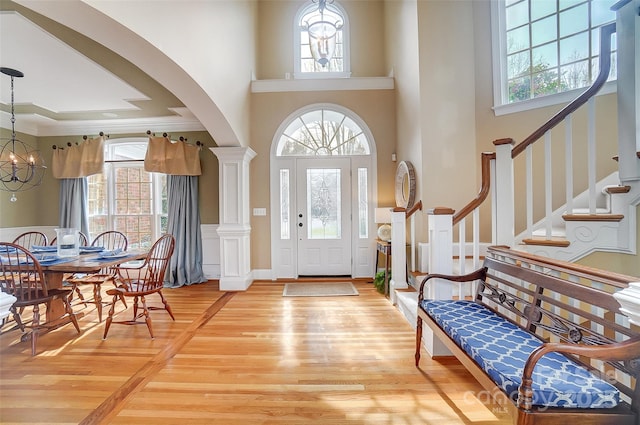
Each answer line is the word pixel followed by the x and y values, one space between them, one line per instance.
pixel 213 41
pixel 184 45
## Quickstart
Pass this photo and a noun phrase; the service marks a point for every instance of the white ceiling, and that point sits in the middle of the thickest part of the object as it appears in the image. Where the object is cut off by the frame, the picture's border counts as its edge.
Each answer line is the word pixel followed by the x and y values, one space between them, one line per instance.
pixel 63 92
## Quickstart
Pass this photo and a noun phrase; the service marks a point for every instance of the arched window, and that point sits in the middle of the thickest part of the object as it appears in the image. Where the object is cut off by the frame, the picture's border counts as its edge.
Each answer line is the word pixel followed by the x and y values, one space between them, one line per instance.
pixel 323 185
pixel 323 132
pixel 321 41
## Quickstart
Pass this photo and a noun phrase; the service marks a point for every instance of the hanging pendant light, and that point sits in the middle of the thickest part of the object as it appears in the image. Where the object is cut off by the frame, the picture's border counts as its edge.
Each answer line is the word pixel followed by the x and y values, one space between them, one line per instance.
pixel 323 28
pixel 21 166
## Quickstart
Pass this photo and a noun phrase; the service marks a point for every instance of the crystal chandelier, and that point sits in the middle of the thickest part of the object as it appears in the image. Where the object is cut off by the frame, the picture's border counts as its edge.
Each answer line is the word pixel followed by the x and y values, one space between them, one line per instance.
pixel 322 28
pixel 21 166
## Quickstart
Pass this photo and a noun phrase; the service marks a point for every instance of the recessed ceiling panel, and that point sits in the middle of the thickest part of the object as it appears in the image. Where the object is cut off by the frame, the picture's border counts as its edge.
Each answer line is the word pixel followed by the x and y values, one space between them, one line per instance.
pixel 76 83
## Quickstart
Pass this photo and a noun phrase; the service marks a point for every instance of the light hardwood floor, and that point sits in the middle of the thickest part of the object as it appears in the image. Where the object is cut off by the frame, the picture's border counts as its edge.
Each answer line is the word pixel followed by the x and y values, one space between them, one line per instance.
pixel 251 357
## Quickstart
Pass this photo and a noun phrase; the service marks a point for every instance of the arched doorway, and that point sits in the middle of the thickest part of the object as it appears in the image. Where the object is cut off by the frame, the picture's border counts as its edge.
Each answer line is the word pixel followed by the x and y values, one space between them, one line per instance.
pixel 323 188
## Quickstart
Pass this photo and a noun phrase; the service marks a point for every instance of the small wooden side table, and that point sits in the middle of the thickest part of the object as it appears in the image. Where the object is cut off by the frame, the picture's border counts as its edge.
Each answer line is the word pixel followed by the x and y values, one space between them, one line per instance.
pixel 384 248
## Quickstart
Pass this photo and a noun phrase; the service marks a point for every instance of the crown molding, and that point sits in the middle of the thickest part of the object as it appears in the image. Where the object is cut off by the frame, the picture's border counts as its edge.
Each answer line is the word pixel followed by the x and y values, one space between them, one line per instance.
pixel 322 84
pixel 69 128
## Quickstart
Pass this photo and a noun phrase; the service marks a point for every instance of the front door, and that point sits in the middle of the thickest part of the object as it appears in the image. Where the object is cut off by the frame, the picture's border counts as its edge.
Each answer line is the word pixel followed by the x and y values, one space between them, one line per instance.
pixel 323 214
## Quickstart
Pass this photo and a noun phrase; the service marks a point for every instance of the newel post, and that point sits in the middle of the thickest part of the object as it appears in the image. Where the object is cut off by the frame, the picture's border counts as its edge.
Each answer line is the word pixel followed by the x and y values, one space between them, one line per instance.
pixel 440 261
pixel 503 201
pixel 440 250
pixel 398 252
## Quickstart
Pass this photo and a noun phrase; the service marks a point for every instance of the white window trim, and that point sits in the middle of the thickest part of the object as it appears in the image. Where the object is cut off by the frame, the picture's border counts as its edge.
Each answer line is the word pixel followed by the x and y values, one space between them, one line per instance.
pixel 283 251
pixel 498 52
pixel 110 171
pixel 346 51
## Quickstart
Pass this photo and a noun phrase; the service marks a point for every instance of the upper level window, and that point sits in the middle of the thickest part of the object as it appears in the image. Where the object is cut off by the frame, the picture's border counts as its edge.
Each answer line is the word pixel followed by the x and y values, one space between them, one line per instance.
pixel 323 132
pixel 547 47
pixel 321 35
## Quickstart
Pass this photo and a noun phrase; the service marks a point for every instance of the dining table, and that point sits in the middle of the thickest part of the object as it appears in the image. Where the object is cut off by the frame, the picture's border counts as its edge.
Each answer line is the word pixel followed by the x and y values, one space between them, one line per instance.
pixel 55 268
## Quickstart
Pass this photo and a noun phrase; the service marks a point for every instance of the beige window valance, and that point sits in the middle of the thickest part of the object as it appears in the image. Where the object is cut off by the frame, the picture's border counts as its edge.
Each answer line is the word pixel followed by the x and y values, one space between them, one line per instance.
pixel 80 160
pixel 176 158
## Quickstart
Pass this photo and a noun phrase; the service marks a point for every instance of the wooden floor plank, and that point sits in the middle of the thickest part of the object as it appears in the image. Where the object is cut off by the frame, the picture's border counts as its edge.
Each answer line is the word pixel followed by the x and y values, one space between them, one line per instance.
pixel 254 358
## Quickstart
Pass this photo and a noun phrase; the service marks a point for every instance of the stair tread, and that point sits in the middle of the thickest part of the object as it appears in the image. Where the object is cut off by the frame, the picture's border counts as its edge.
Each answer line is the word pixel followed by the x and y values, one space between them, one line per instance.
pixel 554 241
pixel 593 217
pixel 618 189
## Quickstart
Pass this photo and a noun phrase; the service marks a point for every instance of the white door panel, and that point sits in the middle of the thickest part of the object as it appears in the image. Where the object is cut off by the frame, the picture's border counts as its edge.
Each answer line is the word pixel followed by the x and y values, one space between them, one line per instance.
pixel 323 213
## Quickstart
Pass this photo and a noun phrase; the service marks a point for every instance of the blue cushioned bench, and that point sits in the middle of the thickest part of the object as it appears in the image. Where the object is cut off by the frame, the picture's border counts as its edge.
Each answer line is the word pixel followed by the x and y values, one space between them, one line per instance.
pixel 545 338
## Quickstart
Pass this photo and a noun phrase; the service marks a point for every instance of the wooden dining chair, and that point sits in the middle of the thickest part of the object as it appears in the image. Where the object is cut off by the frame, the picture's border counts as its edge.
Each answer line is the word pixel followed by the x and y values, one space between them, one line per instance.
pixel 109 240
pixel 141 281
pixel 28 239
pixel 21 276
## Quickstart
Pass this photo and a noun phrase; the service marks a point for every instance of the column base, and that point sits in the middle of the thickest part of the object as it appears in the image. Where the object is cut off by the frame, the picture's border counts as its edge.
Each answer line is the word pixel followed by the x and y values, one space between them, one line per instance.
pixel 235 283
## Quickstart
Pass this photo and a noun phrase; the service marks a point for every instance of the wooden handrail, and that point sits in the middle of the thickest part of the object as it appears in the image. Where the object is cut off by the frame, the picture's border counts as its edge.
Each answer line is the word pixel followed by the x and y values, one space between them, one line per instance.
pixel 606 32
pixel 414 209
pixel 605 65
pixel 484 188
pixel 610 278
pixel 411 211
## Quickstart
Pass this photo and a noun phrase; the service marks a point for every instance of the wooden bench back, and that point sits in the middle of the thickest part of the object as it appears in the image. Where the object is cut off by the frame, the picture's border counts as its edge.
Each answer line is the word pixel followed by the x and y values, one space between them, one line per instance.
pixel 562 302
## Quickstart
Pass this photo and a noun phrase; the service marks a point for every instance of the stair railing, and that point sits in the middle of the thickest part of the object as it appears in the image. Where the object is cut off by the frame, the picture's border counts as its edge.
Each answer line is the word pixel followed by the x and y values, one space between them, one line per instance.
pixel 499 167
pixel 544 133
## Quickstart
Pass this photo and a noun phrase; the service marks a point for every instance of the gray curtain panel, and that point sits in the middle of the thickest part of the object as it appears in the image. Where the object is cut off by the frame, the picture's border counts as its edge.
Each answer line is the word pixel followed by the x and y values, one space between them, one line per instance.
pixel 73 204
pixel 185 267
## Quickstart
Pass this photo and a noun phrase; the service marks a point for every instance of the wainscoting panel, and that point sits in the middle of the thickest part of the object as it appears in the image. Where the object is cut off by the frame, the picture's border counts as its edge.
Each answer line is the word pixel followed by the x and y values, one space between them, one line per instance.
pixel 8 234
pixel 210 251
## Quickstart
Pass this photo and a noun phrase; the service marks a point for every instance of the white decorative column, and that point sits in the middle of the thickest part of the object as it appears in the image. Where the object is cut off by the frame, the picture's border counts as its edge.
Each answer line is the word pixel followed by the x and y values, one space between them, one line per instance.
pixel 234 229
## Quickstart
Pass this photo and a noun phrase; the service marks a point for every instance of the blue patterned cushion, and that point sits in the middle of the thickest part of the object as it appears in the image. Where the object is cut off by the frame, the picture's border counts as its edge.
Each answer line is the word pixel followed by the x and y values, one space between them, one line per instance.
pixel 501 349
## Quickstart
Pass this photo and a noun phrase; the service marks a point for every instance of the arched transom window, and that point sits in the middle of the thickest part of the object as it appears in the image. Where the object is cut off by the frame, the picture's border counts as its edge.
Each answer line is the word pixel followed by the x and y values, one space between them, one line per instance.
pixel 323 132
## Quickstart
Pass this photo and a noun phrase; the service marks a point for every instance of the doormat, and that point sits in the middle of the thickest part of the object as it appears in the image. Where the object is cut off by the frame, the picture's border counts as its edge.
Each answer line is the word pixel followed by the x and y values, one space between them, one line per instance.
pixel 327 289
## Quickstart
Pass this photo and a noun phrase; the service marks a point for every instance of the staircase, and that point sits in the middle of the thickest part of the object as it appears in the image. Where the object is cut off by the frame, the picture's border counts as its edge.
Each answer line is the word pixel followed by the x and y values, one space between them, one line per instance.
pixel 601 217
pixel 611 226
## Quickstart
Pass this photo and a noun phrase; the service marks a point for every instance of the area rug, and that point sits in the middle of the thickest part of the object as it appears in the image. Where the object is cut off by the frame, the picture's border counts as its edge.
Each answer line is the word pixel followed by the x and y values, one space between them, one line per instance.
pixel 316 289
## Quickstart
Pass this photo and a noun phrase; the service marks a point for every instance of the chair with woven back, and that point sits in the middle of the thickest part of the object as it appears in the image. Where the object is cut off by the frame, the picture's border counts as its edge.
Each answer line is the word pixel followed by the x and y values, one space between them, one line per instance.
pixel 33 238
pixel 142 281
pixel 21 275
pixel 111 240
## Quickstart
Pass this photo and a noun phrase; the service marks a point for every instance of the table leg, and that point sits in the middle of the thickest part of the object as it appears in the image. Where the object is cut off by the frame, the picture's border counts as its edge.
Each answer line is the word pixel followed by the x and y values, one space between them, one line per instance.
pixel 55 308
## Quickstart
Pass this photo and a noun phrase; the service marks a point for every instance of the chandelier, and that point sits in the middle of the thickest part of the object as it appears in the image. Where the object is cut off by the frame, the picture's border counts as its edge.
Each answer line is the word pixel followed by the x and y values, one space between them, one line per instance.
pixel 21 166
pixel 322 28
